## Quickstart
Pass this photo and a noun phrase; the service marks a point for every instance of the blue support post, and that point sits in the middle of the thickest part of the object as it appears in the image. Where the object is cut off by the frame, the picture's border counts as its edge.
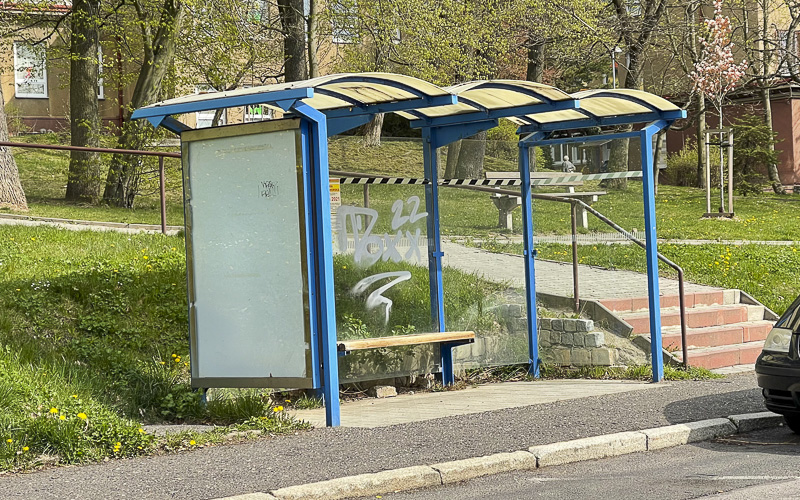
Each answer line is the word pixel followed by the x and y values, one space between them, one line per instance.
pixel 311 252
pixel 435 253
pixel 323 246
pixel 530 258
pixel 651 247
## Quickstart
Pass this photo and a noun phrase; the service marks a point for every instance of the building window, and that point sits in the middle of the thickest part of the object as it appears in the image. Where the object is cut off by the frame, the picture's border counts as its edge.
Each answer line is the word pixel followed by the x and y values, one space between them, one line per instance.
pixel 30 72
pixel 258 12
pixel 205 119
pixel 257 113
pixel 345 22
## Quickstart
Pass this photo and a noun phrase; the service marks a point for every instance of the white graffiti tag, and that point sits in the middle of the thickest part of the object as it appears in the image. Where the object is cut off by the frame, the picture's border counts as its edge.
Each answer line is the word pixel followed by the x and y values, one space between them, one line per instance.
pixel 376 298
pixel 369 248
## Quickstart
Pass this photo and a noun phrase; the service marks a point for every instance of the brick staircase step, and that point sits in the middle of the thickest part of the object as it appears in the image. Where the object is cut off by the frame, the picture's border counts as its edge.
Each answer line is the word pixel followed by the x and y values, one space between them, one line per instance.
pixel 698 317
pixel 721 356
pixel 710 336
pixel 696 299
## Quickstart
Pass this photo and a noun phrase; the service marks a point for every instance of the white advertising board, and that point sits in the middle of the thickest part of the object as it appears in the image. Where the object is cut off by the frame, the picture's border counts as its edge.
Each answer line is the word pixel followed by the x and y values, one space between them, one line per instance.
pixel 246 256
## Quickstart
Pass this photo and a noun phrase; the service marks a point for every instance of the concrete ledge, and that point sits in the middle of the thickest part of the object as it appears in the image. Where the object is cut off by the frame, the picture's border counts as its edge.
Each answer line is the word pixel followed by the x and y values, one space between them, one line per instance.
pixel 408 478
pixel 591 448
pixel 754 421
pixel 461 470
pixel 675 435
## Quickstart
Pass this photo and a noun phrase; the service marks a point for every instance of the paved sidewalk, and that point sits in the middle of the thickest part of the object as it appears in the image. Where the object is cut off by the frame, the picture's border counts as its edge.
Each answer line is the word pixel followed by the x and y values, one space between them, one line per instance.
pixel 323 454
pixel 407 408
pixel 556 277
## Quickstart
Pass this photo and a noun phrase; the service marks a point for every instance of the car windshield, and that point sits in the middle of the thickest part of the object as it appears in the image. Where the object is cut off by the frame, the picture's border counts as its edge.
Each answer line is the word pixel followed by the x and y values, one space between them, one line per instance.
pixel 791 318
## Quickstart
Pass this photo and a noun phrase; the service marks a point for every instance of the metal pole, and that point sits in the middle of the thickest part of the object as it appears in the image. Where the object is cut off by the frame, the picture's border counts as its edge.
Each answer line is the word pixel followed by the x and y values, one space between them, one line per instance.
pixel 161 183
pixel 529 255
pixel 366 195
pixel 574 215
pixel 730 171
pixel 708 175
pixel 88 149
pixel 682 303
pixel 613 68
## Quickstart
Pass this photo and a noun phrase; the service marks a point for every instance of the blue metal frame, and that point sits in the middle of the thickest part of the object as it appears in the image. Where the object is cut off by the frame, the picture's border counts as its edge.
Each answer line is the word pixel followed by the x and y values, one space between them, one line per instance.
pixel 651 246
pixel 317 142
pixel 317 125
pixel 311 252
pixel 529 254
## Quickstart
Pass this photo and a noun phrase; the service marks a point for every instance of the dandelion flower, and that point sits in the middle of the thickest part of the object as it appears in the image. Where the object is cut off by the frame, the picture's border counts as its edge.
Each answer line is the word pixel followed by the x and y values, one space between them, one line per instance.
pixel 9 440
pixel 25 448
pixel 82 416
pixel 192 442
pixel 54 410
pixel 277 409
pixel 62 417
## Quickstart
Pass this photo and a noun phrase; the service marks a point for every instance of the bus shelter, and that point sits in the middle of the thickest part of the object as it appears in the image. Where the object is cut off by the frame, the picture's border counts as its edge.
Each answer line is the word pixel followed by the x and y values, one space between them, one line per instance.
pixel 257 210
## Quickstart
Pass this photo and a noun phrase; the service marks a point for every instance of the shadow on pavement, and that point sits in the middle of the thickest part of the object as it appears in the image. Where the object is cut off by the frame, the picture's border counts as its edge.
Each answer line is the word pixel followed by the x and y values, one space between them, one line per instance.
pixel 715 406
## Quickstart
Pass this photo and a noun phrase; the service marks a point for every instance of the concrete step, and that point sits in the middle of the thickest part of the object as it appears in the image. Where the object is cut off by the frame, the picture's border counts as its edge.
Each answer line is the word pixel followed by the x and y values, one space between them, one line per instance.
pixel 697 317
pixel 720 297
pixel 710 336
pixel 721 356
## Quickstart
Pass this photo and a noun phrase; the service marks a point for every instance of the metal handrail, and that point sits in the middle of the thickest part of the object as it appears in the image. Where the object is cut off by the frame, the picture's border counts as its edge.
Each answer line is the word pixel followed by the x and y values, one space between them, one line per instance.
pixel 574 203
pixel 161 155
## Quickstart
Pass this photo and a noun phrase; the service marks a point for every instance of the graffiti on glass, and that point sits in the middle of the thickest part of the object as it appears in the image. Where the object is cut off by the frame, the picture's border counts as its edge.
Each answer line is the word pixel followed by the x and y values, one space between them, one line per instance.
pixel 369 248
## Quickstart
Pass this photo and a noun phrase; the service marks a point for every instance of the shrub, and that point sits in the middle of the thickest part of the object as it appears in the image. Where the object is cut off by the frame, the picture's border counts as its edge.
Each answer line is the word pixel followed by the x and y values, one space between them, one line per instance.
pixel 752 154
pixel 682 166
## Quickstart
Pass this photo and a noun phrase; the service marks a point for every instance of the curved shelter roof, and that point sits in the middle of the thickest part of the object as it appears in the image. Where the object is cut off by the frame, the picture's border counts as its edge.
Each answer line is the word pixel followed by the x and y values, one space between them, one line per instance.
pixel 351 99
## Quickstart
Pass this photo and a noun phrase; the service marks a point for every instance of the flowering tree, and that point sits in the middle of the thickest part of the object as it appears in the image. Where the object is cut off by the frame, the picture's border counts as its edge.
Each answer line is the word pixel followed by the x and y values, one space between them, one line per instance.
pixel 716 73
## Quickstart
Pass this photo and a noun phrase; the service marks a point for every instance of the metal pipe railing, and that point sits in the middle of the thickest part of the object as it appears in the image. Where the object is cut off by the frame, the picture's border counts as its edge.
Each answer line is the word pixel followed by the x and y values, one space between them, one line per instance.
pixel 575 202
pixel 86 149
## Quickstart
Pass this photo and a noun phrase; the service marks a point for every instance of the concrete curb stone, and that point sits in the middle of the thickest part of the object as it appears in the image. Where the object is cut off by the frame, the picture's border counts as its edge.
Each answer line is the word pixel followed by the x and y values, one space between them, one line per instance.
pixel 753 421
pixel 407 478
pixel 596 447
pixel 676 435
pixel 470 468
pixel 609 445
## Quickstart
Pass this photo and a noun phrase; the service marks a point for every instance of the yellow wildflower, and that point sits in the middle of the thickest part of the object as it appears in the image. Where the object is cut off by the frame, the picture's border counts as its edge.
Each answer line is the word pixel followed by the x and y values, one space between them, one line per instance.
pixel 82 416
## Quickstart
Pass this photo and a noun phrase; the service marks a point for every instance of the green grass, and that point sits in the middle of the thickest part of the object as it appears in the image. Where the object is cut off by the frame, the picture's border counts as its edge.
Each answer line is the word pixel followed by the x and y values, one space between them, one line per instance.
pixel 463 213
pixel 465 296
pixel 93 329
pixel 43 174
pixel 644 372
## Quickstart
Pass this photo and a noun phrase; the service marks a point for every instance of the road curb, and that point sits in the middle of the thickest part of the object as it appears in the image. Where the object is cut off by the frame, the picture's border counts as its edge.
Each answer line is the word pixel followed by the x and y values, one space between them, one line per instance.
pixel 591 448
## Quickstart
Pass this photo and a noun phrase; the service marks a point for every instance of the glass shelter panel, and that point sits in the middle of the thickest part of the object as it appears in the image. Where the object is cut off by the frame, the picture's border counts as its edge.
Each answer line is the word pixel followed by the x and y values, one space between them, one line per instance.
pixel 248 283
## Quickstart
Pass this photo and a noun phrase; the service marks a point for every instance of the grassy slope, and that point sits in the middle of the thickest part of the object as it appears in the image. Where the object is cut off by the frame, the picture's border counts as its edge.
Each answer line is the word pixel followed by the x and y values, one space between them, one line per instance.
pixel 92 341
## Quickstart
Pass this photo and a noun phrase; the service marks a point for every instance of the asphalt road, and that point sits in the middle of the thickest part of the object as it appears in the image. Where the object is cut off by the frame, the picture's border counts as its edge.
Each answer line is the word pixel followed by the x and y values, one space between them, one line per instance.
pixel 329 453
pixel 769 459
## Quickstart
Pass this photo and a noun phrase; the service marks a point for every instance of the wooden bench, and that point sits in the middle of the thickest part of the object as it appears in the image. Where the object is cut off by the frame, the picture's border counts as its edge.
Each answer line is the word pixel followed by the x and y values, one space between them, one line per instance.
pixel 506 204
pixel 448 340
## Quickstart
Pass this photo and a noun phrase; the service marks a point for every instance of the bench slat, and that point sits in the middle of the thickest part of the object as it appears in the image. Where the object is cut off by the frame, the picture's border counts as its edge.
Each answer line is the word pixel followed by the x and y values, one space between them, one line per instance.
pixel 401 340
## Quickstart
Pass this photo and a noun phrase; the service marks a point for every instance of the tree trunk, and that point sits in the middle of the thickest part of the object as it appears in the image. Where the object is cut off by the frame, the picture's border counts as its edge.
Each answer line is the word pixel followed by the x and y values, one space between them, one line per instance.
pixel 372 131
pixel 618 162
pixel 85 176
pixel 294 39
pixel 657 159
pixel 11 193
pixel 123 175
pixel 772 168
pixel 313 38
pixel 535 71
pixel 453 150
pixel 470 158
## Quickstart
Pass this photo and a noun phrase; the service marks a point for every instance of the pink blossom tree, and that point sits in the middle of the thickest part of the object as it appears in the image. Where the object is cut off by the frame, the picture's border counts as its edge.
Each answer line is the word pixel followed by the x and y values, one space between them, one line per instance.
pixel 716 73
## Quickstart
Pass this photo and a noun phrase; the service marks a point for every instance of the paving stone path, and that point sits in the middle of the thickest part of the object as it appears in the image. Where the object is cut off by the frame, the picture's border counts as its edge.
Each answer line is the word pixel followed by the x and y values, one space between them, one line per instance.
pixel 556 277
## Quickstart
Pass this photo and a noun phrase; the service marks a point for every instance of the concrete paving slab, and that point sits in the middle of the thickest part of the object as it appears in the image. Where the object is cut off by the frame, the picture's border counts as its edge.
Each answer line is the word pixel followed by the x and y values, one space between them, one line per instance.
pixel 407 408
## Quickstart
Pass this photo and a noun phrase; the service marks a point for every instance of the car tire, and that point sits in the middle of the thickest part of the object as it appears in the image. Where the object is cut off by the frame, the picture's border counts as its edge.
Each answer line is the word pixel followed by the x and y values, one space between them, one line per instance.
pixel 793 422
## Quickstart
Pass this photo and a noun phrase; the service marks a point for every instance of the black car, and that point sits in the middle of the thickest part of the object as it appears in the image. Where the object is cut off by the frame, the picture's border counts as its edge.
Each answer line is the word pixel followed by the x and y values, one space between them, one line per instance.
pixel 778 367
